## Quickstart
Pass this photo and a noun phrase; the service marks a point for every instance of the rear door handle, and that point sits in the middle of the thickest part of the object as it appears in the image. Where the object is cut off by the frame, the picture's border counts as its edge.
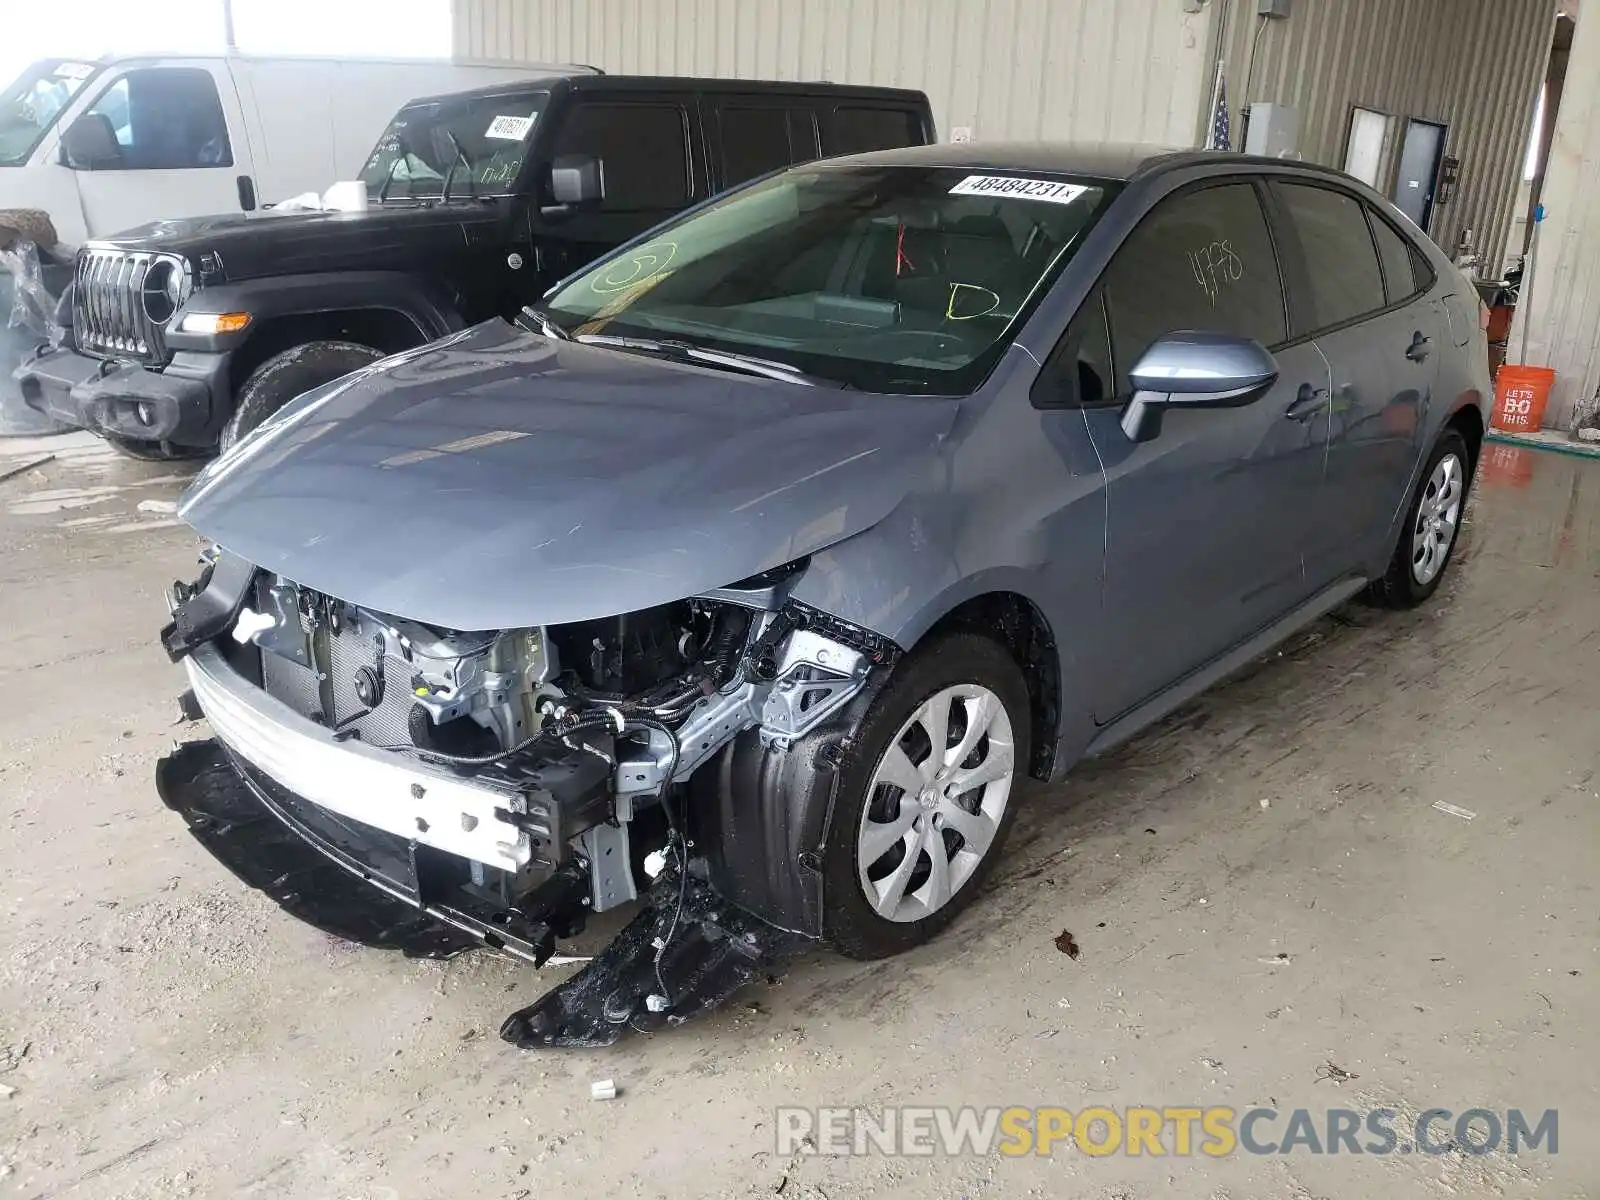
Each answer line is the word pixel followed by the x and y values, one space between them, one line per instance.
pixel 1418 350
pixel 1307 404
pixel 247 193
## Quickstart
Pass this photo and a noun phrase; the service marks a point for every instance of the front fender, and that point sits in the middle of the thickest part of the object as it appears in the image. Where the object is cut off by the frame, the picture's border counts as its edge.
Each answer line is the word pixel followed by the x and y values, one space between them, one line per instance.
pixel 892 580
pixel 420 302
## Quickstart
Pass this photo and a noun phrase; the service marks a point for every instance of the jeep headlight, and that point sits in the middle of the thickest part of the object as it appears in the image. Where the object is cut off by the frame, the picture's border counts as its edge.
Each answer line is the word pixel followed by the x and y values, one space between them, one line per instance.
pixel 166 286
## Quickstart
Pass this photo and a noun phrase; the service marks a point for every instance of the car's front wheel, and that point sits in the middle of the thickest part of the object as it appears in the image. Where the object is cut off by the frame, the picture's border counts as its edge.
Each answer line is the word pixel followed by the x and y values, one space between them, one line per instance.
pixel 926 796
pixel 1432 527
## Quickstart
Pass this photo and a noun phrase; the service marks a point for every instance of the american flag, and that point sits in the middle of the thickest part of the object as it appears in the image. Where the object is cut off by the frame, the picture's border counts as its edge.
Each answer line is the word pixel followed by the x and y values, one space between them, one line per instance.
pixel 1221 128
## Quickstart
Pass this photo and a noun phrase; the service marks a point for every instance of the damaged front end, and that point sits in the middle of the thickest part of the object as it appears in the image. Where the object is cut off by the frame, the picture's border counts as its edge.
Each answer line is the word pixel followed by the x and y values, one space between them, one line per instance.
pixel 432 790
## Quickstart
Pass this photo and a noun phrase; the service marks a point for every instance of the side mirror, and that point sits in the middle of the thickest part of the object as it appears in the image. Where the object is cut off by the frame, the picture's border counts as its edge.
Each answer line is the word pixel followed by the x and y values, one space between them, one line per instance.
pixel 90 143
pixel 577 179
pixel 1195 370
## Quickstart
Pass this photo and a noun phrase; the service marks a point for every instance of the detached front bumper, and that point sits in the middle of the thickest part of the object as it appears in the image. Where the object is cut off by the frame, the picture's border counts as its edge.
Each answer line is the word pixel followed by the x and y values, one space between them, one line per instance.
pixel 260 844
pixel 353 882
pixel 184 402
pixel 414 832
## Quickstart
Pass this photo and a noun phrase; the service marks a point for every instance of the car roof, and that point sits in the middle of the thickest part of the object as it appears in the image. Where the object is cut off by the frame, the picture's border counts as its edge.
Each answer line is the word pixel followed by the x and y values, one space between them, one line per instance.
pixel 1100 160
pixel 504 87
pixel 580 79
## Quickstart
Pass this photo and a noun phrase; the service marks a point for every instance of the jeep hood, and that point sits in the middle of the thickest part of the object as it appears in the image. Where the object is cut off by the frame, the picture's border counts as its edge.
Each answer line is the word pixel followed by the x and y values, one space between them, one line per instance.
pixel 499 479
pixel 267 242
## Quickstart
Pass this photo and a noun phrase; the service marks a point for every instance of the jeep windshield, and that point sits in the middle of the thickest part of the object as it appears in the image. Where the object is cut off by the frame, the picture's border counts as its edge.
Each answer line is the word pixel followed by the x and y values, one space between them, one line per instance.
pixel 31 104
pixel 882 278
pixel 475 143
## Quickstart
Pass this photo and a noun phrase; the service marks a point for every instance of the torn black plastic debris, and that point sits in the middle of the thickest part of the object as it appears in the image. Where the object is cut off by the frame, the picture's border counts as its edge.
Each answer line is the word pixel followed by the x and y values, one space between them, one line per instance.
pixel 715 950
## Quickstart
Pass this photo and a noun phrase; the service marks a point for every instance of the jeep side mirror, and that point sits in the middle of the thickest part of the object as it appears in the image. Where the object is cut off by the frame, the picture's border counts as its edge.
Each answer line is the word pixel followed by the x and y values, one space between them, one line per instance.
pixel 1195 370
pixel 577 179
pixel 90 143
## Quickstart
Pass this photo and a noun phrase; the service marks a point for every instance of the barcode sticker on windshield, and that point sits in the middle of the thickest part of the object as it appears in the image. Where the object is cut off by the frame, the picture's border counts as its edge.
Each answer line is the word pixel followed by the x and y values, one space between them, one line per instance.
pixel 509 129
pixel 1051 190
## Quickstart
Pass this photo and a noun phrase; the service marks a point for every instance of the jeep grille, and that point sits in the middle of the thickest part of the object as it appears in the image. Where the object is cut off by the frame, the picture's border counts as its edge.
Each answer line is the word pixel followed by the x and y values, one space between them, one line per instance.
pixel 108 309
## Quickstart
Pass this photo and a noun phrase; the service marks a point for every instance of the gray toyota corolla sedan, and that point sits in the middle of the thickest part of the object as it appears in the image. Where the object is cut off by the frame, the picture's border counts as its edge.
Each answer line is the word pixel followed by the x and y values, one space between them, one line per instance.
pixel 754 569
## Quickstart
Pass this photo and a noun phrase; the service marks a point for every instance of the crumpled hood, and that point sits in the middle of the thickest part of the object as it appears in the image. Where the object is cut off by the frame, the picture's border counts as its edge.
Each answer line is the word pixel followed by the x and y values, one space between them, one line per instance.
pixel 499 479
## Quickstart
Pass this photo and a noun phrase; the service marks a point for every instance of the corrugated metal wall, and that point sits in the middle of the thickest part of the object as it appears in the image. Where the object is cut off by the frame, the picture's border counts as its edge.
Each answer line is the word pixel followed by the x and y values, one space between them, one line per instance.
pixel 1122 70
pixel 1474 65
pixel 1562 306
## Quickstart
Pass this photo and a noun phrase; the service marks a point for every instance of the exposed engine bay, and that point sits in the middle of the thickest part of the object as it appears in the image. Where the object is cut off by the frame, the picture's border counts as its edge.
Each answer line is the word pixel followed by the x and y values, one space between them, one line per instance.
pixel 503 785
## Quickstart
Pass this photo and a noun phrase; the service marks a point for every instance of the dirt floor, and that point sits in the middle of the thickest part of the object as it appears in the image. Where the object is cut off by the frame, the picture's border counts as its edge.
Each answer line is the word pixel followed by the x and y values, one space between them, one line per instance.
pixel 1262 888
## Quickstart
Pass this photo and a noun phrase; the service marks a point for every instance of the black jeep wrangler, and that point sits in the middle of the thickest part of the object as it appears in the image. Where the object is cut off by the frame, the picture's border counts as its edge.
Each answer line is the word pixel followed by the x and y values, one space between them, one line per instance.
pixel 184 335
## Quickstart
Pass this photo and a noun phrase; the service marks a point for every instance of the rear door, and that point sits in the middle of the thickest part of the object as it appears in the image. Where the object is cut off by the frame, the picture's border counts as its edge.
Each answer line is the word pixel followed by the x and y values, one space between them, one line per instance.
pixel 649 147
pixel 1355 287
pixel 1205 524
pixel 749 135
pixel 181 141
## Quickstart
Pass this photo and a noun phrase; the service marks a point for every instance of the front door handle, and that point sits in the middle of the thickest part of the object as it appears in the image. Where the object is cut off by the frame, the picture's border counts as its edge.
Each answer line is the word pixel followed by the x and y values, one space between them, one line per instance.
pixel 1307 403
pixel 1418 350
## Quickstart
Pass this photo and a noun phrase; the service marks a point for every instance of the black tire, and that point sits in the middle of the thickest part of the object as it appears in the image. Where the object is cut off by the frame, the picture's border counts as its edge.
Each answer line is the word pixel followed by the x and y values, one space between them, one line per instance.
pixel 850 923
pixel 152 451
pixel 287 375
pixel 1400 587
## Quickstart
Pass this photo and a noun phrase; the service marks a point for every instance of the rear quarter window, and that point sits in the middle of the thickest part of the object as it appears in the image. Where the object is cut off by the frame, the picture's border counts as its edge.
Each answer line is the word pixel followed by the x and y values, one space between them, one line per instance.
pixel 1399 258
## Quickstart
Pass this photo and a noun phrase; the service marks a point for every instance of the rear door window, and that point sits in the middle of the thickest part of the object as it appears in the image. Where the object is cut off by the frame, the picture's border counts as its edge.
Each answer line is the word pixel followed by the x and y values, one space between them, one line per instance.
pixel 1342 277
pixel 753 142
pixel 644 149
pixel 1200 260
pixel 165 119
pixel 857 129
pixel 753 138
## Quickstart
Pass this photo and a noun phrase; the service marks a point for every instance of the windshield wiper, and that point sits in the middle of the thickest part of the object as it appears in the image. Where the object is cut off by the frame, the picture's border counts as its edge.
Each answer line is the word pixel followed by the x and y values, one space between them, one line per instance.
pixel 388 181
pixel 674 348
pixel 461 160
pixel 534 321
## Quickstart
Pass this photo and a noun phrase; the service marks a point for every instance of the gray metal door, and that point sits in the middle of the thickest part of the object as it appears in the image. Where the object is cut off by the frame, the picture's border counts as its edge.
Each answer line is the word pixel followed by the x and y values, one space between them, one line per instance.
pixel 1356 288
pixel 1419 168
pixel 1205 528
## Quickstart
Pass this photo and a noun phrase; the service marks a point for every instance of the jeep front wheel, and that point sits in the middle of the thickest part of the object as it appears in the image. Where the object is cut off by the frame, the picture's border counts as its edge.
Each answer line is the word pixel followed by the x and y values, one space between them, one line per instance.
pixel 287 375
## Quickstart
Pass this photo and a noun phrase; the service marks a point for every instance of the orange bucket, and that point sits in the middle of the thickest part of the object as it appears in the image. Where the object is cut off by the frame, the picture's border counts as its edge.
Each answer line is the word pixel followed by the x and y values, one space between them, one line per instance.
pixel 1520 396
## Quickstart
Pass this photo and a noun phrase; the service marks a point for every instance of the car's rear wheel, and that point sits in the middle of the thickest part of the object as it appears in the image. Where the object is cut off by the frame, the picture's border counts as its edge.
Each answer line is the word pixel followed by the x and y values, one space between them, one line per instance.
pixel 1432 527
pixel 284 376
pixel 926 796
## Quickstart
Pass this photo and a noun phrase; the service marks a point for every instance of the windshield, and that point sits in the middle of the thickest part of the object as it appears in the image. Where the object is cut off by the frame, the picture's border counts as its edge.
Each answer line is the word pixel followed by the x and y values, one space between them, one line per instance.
pixel 479 142
pixel 891 279
pixel 30 105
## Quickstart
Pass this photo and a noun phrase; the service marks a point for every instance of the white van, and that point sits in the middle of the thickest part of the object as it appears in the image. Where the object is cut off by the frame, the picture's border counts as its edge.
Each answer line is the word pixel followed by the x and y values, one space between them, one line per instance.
pixel 103 145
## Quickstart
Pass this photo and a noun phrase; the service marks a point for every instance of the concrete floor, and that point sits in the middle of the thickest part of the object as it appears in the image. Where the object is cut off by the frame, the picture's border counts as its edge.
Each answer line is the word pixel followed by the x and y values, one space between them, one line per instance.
pixel 164 1032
